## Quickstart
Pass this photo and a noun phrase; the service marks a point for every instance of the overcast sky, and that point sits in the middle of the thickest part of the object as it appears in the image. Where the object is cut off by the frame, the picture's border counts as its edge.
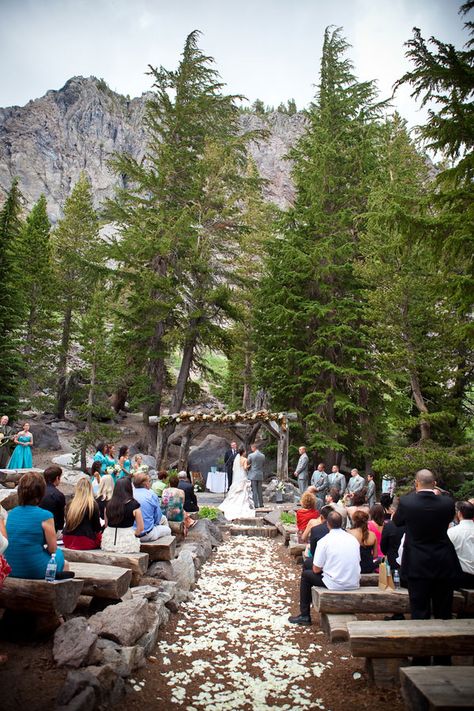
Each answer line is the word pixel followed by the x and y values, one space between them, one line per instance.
pixel 268 49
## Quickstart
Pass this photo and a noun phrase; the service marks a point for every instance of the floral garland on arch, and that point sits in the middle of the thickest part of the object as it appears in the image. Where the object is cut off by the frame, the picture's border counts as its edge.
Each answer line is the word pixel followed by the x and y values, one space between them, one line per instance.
pixel 230 418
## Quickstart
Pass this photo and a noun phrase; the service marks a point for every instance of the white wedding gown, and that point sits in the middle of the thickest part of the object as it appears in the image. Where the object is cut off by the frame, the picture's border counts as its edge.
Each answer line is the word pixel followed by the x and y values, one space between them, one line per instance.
pixel 239 502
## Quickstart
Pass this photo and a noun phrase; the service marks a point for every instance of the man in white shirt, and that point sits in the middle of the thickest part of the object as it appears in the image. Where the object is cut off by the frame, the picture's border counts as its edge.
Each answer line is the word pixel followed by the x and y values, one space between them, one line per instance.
pixel 336 566
pixel 462 538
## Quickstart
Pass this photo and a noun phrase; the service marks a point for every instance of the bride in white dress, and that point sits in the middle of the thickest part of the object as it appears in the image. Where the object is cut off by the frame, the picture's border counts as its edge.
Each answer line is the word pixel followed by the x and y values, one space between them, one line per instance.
pixel 239 502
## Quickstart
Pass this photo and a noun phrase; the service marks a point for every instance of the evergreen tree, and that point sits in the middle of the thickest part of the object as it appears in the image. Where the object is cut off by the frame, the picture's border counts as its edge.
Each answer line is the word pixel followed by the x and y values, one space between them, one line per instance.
pixel 10 300
pixel 38 292
pixel 76 248
pixel 311 353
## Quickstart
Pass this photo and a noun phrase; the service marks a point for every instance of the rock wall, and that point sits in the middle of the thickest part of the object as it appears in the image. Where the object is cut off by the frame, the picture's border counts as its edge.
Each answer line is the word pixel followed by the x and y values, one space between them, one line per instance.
pixel 51 140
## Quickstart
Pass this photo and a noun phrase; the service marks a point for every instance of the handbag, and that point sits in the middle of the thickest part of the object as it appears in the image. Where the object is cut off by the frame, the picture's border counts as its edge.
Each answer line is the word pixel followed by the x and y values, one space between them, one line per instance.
pixel 385 576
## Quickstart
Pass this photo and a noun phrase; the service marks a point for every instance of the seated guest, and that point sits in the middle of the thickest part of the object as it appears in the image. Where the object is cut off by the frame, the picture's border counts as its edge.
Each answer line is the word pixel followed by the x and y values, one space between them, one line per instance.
pixel 367 541
pixel 160 485
pixel 391 539
pixel 358 503
pixel 376 523
pixel 190 500
pixel 83 527
pixel 154 523
pixel 29 529
pixel 307 512
pixel 95 477
pixel 336 566
pixel 105 493
pixel 462 538
pixel 386 501
pixel 124 462
pixel 172 501
pixel 3 531
pixel 99 456
pixel 333 499
pixel 53 499
pixel 123 520
pixel 316 533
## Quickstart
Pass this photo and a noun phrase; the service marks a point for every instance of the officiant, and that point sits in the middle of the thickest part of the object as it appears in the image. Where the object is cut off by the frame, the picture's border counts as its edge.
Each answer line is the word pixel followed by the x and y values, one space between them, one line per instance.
pixel 229 457
pixel 6 436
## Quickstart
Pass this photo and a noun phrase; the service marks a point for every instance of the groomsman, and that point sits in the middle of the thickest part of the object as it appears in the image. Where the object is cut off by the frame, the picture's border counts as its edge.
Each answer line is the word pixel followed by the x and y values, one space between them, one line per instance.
pixel 371 493
pixel 338 480
pixel 356 482
pixel 229 457
pixel 301 471
pixel 320 482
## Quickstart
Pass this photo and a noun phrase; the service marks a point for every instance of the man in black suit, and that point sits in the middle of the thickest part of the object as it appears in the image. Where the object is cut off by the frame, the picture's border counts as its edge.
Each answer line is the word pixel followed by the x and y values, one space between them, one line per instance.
pixel 429 562
pixel 229 457
pixel 190 500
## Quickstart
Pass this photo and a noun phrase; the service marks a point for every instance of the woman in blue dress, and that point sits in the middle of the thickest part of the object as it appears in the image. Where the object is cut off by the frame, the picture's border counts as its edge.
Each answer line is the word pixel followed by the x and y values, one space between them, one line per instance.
pixel 124 461
pixel 22 457
pixel 29 530
pixel 100 456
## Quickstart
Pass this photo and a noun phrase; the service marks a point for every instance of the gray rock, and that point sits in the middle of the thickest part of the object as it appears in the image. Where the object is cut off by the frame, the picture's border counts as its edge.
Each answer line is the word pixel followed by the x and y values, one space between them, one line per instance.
pixel 63 426
pixel 205 530
pixel 123 623
pixel 150 638
pixel 67 461
pixel 184 570
pixel 290 494
pixel 44 436
pixel 74 642
pixel 148 592
pixel 200 550
pixel 161 569
pixel 85 700
pixel 206 454
pixel 111 685
pixel 8 498
pixel 124 660
pixel 76 683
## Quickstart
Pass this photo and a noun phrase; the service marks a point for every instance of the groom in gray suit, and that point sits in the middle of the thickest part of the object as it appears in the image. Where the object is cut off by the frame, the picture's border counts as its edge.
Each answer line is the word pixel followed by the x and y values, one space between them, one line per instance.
pixel 255 463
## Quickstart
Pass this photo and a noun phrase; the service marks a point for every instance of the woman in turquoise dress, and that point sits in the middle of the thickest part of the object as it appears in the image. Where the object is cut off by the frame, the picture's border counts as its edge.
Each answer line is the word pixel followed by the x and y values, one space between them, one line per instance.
pixel 29 529
pixel 100 456
pixel 22 458
pixel 124 461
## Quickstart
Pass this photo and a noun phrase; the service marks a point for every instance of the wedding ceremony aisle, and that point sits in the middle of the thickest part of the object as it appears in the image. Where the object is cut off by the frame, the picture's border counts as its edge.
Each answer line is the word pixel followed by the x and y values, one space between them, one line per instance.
pixel 231 646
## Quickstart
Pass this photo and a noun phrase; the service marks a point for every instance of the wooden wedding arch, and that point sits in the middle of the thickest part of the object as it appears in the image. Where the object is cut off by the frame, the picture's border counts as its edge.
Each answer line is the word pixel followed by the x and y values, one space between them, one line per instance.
pixel 275 423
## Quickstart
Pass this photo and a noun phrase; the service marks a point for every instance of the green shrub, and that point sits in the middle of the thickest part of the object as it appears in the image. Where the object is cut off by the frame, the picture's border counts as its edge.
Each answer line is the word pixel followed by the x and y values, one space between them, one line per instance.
pixel 287 518
pixel 209 512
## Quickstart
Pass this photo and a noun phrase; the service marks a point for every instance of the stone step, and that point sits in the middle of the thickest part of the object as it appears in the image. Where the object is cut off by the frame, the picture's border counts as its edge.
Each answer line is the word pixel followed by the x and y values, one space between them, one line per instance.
pixel 257 531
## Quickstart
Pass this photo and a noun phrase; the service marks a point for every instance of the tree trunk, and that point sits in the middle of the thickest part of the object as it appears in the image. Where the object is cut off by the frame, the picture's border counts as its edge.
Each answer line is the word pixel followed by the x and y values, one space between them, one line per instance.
pixel 61 396
pixel 366 428
pixel 425 427
pixel 90 407
pixel 247 393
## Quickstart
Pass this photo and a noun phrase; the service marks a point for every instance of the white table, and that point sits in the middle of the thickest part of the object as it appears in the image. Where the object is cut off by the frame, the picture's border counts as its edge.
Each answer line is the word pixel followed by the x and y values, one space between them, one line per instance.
pixel 216 482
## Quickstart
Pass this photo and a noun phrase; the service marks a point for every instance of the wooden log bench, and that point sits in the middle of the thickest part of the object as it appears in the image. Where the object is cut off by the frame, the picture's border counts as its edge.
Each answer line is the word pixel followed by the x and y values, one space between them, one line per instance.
pixel 162 549
pixel 369 580
pixel 368 600
pixel 468 601
pixel 136 562
pixel 48 602
pixel 387 645
pixel 104 581
pixel 437 688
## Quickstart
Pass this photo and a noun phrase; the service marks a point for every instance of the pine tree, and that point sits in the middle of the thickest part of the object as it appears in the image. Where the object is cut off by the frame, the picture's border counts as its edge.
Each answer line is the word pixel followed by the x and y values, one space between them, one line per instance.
pixel 312 355
pixel 38 292
pixel 11 300
pixel 76 249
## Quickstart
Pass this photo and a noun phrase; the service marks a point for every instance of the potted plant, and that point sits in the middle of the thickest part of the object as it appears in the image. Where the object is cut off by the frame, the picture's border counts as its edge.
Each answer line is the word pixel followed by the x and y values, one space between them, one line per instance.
pixel 279 491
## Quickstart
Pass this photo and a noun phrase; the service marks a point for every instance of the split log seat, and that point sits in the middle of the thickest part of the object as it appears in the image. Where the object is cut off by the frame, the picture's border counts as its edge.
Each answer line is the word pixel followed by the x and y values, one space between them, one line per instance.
pixel 386 645
pixel 40 597
pixel 104 581
pixel 368 600
pixel 437 688
pixel 136 562
pixel 162 549
pixel 294 548
pixel 369 580
pixel 335 626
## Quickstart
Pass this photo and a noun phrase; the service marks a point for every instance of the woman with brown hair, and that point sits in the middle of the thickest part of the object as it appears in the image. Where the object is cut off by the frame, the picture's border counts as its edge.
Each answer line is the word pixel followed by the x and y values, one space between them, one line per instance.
pixel 367 541
pixel 376 524
pixel 83 529
pixel 29 528
pixel 123 520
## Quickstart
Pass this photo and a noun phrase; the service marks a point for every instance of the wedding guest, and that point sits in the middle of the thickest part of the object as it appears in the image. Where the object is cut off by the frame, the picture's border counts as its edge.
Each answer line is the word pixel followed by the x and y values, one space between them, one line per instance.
pixel 376 523
pixel 6 435
pixel 172 501
pixel 462 538
pixel 371 492
pixel 29 529
pixel 105 493
pixel 95 477
pixel 99 456
pixel 336 566
pixel 22 457
pixel 386 500
pixel 359 503
pixel 190 500
pixel 307 512
pixel 5 569
pixel 53 499
pixel 337 480
pixel 154 523
pixel 123 520
pixel 391 539
pixel 160 485
pixel 124 462
pixel 333 499
pixel 367 541
pixel 318 532
pixel 83 527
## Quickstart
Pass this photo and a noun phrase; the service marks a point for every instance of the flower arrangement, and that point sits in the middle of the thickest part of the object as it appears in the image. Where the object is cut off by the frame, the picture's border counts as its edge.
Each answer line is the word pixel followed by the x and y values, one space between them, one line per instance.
pixel 225 417
pixel 280 487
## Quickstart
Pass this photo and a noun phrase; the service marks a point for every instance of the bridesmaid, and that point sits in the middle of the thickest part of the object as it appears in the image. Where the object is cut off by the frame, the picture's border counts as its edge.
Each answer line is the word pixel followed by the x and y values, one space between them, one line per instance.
pixel 124 461
pixel 99 456
pixel 22 457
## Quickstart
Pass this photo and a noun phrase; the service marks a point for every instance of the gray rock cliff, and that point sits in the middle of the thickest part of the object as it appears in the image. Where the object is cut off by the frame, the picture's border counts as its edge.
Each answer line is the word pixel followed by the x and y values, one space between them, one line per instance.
pixel 51 140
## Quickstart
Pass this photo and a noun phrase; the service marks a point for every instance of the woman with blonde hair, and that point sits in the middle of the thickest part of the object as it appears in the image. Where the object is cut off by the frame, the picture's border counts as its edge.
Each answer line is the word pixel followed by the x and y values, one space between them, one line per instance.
pixel 105 493
pixel 83 530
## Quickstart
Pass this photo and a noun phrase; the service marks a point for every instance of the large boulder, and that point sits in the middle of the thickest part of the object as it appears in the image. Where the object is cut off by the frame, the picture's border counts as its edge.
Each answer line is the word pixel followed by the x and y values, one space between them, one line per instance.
pixel 44 436
pixel 124 660
pixel 184 570
pixel 124 623
pixel 68 461
pixel 291 493
pixel 74 643
pixel 8 498
pixel 205 530
pixel 91 688
pixel 206 454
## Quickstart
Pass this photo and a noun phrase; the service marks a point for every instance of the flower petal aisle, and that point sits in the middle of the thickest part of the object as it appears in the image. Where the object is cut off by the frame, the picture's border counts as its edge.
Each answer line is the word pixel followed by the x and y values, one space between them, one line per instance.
pixel 233 649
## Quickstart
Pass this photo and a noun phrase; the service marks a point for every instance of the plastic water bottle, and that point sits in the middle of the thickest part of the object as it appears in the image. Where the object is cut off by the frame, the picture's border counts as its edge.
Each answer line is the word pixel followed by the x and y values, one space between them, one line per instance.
pixel 51 569
pixel 396 579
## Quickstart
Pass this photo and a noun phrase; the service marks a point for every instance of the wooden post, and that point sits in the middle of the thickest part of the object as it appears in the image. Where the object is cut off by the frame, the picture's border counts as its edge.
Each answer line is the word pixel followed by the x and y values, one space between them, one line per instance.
pixel 159 447
pixel 186 440
pixel 282 453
